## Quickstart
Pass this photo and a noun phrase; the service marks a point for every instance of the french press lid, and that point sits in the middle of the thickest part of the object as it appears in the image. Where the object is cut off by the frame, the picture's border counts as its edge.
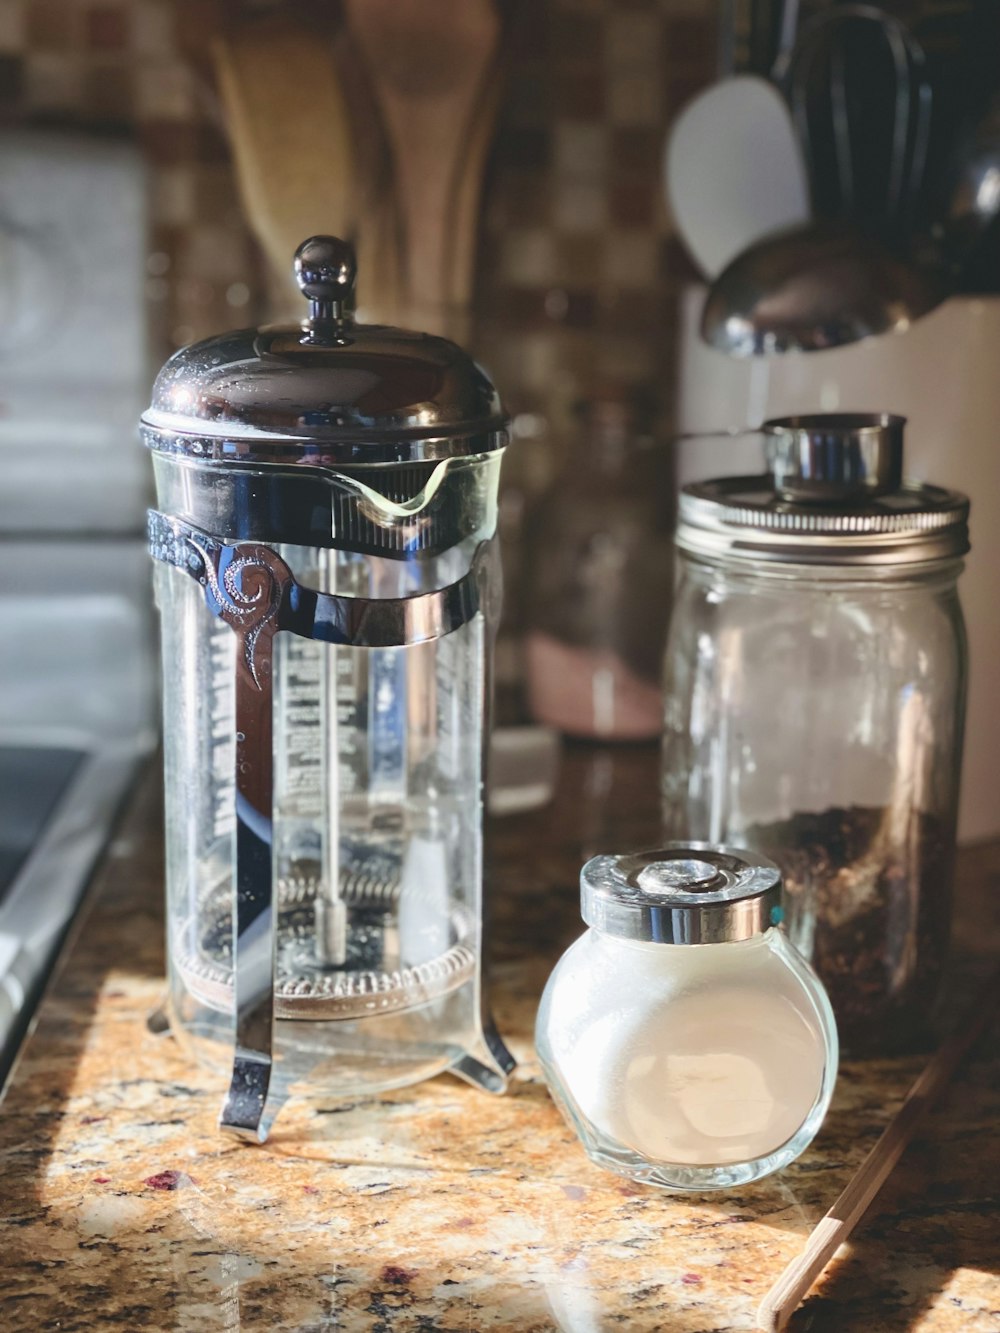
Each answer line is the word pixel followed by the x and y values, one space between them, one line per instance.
pixel 328 390
pixel 682 893
pixel 834 495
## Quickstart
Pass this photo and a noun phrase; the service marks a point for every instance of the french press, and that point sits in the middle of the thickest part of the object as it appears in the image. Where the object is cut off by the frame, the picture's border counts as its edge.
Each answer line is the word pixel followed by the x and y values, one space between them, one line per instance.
pixel 328 578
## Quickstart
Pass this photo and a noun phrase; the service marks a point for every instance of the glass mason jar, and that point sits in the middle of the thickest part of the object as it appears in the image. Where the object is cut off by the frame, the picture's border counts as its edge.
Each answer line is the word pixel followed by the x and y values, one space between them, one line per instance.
pixel 328 581
pixel 684 1039
pixel 814 692
pixel 598 597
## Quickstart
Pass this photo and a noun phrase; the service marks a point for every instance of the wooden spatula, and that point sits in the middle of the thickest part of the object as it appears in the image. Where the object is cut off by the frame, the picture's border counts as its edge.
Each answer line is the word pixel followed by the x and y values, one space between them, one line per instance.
pixel 291 137
pixel 466 197
pixel 429 62
pixel 378 235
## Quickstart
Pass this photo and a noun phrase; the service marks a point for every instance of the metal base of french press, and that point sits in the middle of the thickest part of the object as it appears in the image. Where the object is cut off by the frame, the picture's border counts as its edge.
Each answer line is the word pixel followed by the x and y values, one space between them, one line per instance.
pixel 304 987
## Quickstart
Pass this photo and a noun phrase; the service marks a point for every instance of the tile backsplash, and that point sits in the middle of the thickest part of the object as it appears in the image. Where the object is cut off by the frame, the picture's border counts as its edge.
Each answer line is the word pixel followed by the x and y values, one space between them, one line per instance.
pixel 578 273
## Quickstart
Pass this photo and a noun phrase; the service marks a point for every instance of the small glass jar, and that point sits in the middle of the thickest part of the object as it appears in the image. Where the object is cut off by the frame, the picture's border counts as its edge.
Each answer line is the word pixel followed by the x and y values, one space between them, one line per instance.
pixel 814 693
pixel 685 1040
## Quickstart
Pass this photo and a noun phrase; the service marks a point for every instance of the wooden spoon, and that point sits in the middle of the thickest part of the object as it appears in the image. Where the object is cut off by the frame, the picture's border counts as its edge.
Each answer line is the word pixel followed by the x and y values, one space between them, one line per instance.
pixel 310 154
pixel 291 136
pixel 466 196
pixel 378 237
pixel 429 62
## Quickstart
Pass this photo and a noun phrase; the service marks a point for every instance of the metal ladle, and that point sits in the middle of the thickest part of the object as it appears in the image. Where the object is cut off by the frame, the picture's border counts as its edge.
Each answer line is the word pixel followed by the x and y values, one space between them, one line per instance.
pixel 822 285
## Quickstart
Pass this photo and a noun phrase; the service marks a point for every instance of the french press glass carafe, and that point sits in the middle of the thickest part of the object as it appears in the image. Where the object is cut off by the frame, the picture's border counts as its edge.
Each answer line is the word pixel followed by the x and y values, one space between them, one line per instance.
pixel 329 585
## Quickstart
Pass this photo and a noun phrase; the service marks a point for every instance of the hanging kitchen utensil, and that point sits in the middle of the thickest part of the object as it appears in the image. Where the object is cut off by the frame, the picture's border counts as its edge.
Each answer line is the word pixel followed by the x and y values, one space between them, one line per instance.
pixel 823 285
pixel 837 281
pixel 969 231
pixel 733 170
pixel 971 226
pixel 864 133
pixel 773 29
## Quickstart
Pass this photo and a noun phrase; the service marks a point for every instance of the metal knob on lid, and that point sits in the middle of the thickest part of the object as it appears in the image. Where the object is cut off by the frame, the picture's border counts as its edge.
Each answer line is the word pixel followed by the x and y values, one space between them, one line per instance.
pixel 327 391
pixel 325 270
pixel 683 893
pixel 835 458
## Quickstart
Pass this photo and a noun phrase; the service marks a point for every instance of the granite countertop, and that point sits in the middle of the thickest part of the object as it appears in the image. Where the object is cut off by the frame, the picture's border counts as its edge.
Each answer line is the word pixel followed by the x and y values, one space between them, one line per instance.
pixel 440 1207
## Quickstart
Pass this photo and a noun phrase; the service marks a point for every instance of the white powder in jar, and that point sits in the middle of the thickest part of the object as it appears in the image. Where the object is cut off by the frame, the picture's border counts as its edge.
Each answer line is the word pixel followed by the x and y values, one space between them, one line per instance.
pixel 720 1075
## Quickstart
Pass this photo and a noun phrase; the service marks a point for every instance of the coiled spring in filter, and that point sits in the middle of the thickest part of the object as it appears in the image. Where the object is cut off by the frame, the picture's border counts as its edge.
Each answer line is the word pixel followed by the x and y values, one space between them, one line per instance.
pixel 356 888
pixel 202 951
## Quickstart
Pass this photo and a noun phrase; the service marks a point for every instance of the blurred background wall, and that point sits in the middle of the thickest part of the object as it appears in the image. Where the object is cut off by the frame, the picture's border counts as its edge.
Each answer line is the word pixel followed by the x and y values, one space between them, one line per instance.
pixel 578 273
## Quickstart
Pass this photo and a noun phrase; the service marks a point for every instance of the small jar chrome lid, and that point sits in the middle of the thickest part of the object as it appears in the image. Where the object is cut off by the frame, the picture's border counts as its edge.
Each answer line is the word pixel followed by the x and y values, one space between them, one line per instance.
pixel 682 893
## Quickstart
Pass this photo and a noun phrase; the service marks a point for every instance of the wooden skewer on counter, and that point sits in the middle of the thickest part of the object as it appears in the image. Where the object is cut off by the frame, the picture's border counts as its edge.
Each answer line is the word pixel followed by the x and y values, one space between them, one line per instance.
pixel 831 1231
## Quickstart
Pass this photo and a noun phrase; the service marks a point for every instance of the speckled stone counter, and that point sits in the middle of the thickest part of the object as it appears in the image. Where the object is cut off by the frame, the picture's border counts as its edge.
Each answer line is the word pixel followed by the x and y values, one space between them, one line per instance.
pixel 440 1207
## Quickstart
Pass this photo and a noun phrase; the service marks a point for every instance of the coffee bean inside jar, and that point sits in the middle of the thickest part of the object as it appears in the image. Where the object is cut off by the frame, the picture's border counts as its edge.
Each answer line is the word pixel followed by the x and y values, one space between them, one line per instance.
pixel 871 908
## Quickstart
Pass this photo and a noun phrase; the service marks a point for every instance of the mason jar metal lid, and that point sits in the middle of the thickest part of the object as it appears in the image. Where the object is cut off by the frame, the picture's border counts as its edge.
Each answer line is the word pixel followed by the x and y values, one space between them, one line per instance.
pixel 682 893
pixel 326 391
pixel 833 497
